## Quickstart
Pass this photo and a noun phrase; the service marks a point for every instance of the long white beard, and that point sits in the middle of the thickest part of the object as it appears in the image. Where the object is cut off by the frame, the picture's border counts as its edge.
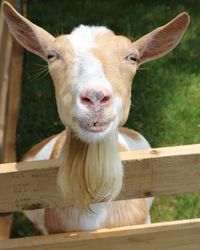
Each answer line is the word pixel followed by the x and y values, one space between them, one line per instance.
pixel 90 173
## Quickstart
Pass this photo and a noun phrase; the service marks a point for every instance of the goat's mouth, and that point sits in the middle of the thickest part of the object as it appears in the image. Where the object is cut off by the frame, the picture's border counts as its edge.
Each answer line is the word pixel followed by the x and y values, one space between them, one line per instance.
pixel 95 127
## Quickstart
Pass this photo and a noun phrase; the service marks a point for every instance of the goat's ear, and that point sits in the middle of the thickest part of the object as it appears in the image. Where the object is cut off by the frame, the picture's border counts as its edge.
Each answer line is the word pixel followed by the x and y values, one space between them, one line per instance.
pixel 163 39
pixel 29 35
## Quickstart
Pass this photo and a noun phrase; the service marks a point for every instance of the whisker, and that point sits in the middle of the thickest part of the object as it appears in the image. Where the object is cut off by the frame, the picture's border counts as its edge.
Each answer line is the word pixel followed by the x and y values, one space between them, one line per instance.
pixel 130 32
pixel 132 106
pixel 143 68
pixel 57 33
pixel 41 66
pixel 38 71
pixel 40 74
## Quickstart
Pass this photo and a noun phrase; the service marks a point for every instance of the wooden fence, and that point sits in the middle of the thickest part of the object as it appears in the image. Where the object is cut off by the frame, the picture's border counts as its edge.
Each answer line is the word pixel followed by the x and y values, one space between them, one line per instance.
pixel 32 185
pixel 155 172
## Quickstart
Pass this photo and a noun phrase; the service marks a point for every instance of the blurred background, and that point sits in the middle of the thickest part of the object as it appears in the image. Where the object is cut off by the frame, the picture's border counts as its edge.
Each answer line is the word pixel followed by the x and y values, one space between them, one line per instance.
pixel 165 94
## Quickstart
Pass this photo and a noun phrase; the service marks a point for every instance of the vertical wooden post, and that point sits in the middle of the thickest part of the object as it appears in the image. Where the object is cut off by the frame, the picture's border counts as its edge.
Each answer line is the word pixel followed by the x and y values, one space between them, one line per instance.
pixel 13 100
pixel 11 63
pixel 5 59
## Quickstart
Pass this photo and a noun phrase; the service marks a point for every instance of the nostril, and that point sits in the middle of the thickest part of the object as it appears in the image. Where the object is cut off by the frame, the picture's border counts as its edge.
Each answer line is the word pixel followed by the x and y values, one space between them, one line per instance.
pixel 105 99
pixel 93 97
pixel 86 100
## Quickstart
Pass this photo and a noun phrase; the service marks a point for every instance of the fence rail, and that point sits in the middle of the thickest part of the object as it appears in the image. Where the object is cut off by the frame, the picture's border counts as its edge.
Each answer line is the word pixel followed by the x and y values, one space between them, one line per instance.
pixel 32 185
pixel 155 172
pixel 176 235
pixel 172 170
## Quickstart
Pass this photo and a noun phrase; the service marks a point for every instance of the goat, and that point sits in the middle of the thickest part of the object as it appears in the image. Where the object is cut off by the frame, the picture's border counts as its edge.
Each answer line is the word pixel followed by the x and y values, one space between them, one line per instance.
pixel 92 70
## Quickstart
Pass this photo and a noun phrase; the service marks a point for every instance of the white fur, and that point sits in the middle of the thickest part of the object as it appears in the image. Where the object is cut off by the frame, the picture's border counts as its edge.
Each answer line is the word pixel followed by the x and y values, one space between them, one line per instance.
pixel 88 221
pixel 92 221
pixel 88 69
pixel 81 112
pixel 88 73
pixel 83 37
pixel 131 144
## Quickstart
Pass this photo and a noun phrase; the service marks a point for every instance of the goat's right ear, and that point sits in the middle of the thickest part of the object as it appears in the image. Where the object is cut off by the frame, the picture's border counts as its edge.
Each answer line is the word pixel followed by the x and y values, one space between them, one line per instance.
pixel 29 35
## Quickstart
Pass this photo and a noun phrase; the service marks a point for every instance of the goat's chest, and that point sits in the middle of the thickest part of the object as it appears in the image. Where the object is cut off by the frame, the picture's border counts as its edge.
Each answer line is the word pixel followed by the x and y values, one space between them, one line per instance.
pixel 69 219
pixel 104 215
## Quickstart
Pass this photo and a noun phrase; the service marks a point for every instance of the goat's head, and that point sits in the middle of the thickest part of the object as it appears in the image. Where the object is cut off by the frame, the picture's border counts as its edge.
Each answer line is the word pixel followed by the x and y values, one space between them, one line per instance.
pixel 92 69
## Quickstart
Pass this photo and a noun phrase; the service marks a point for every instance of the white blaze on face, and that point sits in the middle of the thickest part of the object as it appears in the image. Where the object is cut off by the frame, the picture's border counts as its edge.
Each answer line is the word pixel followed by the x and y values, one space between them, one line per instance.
pixel 88 70
pixel 88 73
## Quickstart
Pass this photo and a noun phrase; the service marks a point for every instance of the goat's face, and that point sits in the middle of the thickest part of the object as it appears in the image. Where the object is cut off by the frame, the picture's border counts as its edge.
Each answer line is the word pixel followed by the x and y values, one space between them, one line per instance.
pixel 92 69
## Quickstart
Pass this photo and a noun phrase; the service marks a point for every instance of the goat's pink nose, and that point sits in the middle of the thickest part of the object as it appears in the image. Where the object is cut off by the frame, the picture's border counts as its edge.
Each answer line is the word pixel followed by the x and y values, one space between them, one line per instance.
pixel 91 97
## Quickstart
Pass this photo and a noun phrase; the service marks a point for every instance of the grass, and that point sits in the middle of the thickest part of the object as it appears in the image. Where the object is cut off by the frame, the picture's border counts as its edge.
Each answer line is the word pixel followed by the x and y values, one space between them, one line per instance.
pixel 166 93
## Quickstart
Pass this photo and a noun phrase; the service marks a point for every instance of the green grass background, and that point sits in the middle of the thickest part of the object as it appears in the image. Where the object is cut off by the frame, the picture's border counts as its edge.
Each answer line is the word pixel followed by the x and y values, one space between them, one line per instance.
pixel 166 92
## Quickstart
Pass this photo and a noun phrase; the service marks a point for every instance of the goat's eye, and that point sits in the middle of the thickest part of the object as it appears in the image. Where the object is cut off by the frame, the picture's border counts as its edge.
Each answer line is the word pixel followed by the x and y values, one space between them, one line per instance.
pixel 132 58
pixel 52 55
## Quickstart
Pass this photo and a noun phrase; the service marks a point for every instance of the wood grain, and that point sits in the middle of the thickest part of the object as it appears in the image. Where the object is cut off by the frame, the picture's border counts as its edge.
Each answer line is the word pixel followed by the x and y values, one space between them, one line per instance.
pixel 11 63
pixel 13 101
pixel 5 60
pixel 173 170
pixel 11 57
pixel 176 235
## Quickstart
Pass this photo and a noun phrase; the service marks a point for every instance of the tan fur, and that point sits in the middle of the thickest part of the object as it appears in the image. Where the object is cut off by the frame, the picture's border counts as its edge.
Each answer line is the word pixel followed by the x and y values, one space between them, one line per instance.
pixel 119 213
pixel 36 148
pixel 122 147
pixel 59 145
pixel 62 75
pixel 126 213
pixel 118 71
pixel 55 223
pixel 130 133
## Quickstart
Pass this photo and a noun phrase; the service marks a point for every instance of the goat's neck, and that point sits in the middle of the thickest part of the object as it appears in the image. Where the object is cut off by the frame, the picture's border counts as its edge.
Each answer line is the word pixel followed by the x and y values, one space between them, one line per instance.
pixel 90 172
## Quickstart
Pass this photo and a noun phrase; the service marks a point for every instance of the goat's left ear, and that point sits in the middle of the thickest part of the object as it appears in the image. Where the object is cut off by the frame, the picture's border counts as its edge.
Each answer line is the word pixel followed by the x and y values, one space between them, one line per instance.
pixel 163 39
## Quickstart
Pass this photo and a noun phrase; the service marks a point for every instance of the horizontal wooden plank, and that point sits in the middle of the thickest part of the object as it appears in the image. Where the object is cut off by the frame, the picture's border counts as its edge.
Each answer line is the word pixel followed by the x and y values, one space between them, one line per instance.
pixel 161 171
pixel 29 186
pixel 153 172
pixel 176 235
